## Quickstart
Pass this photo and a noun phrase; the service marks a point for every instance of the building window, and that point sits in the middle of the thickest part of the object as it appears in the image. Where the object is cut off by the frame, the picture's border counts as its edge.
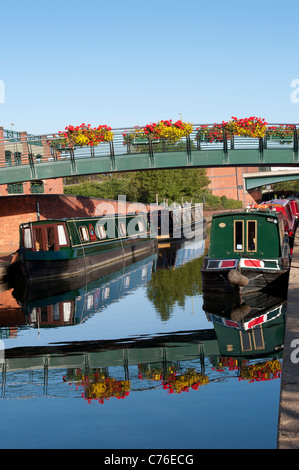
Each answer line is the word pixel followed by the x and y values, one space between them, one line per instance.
pixel 18 158
pixel 37 187
pixel 15 188
pixel 8 161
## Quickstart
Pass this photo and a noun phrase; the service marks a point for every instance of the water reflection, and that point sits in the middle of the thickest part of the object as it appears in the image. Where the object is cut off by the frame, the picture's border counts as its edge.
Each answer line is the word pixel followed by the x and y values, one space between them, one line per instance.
pixel 177 363
pixel 77 305
pixel 156 345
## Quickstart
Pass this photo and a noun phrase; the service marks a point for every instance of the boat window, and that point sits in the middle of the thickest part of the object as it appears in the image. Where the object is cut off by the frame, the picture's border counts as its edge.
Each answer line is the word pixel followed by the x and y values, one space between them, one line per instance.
pixel 251 235
pixel 122 229
pixel 84 233
pixel 238 235
pixel 245 339
pixel 61 235
pixel 56 312
pixel 27 238
pixel 67 311
pixel 258 338
pixel 101 232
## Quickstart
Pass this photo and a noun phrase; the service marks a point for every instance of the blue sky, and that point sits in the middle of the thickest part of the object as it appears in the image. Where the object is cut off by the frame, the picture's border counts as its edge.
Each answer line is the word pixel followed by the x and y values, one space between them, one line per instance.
pixel 131 62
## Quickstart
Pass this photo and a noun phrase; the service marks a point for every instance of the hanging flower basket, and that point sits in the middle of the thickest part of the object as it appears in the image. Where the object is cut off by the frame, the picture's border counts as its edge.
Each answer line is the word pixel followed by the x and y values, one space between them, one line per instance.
pixel 283 133
pixel 213 133
pixel 155 132
pixel 82 136
pixel 247 127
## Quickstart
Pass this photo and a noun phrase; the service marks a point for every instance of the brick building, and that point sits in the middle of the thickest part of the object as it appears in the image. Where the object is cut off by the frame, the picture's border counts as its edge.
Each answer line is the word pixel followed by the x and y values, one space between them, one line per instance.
pixel 14 151
pixel 228 181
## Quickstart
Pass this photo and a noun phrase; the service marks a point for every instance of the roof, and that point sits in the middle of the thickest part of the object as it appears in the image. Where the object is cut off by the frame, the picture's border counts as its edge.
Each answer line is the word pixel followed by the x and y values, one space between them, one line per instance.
pixel 263 213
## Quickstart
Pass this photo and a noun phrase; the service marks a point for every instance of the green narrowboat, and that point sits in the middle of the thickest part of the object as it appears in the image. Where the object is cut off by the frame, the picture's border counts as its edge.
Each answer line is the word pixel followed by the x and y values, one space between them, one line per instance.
pixel 61 249
pixel 248 252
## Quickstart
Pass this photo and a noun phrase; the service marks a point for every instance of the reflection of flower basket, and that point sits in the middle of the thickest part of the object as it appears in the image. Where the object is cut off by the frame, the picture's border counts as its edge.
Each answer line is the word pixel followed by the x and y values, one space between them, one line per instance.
pixel 183 382
pixel 148 372
pixel 98 386
pixel 229 363
pixel 268 370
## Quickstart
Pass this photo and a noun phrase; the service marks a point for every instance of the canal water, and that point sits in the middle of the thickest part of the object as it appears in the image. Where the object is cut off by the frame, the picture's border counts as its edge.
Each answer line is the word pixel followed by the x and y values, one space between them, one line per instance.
pixel 141 359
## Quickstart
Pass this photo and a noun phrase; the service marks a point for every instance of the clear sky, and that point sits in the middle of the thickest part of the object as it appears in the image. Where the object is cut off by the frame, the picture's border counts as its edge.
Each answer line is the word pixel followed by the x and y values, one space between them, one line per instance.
pixel 131 62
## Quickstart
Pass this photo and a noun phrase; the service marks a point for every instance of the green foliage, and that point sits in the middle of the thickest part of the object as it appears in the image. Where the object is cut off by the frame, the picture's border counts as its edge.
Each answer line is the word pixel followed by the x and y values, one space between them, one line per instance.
pixel 143 186
pixel 286 187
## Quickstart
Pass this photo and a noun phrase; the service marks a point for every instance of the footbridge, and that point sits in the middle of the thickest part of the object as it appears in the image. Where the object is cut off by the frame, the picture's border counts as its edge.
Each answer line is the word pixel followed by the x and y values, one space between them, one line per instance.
pixel 35 157
pixel 263 178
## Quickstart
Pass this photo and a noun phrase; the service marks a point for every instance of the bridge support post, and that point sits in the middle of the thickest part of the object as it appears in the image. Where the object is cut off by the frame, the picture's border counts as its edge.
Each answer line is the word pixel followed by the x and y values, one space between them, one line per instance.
pixel 261 150
pixel 112 155
pixel 225 147
pixel 151 152
pixel 30 159
pixel 189 153
pixel 73 161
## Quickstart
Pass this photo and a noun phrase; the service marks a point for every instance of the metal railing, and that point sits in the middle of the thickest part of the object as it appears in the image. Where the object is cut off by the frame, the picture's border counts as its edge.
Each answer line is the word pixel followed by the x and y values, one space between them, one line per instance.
pixel 16 150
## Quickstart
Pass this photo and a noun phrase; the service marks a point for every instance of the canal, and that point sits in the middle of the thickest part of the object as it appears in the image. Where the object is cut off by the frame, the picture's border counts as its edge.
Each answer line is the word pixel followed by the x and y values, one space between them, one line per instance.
pixel 141 359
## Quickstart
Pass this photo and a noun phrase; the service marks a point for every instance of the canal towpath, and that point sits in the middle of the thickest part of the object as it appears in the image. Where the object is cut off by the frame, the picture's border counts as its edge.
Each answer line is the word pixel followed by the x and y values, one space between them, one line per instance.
pixel 288 426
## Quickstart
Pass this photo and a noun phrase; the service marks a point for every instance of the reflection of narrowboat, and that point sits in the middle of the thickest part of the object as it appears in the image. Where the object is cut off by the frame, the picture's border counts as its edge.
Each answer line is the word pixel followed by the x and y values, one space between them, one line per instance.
pixel 249 251
pixel 176 254
pixel 176 222
pixel 54 307
pixel 59 249
pixel 253 337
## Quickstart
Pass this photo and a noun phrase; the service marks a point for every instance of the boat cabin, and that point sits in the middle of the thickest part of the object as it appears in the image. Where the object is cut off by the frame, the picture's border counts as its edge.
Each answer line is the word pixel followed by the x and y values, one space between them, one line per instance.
pixel 58 235
pixel 253 234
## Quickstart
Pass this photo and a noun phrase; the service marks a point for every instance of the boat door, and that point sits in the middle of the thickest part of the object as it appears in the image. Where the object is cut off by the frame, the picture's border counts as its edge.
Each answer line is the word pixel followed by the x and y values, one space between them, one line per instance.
pixel 44 237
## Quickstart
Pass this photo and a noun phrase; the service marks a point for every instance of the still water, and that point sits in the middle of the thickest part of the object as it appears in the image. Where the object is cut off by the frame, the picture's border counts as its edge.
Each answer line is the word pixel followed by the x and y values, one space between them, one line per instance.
pixel 142 359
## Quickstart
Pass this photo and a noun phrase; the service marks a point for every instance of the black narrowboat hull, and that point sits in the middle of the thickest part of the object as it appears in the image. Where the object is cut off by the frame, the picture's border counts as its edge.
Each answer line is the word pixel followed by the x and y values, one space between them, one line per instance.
pixel 35 267
pixel 249 281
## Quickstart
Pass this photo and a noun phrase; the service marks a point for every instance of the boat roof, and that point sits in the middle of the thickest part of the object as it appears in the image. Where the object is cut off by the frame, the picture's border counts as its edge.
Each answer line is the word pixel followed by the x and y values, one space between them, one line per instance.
pixel 77 219
pixel 248 213
pixel 280 202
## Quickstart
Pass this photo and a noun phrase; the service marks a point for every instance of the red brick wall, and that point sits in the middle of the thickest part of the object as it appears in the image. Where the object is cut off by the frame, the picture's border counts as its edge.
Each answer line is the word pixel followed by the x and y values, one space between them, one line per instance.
pixel 228 181
pixel 15 210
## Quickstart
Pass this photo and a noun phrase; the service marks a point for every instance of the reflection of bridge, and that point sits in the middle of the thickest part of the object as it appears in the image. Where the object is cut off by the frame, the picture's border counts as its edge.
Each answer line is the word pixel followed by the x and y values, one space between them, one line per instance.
pixel 25 158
